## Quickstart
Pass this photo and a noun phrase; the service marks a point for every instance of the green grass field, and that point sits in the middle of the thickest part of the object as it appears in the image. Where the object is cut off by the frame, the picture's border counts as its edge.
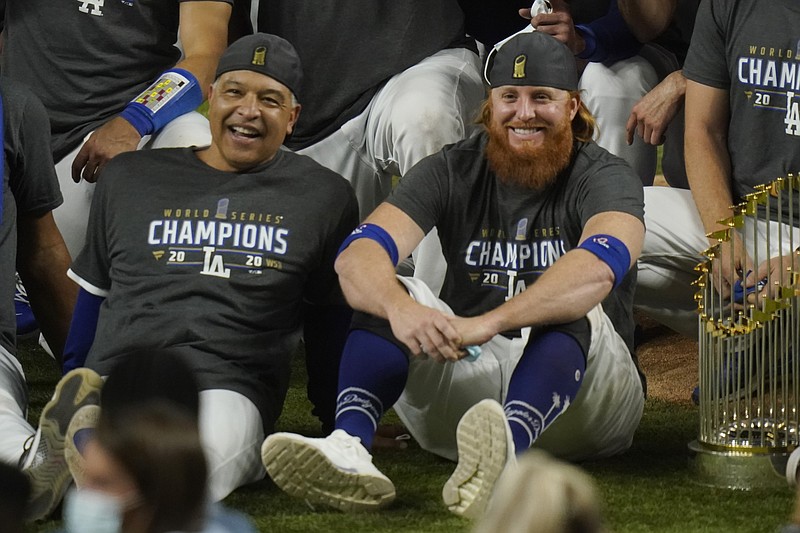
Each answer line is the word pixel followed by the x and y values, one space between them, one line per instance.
pixel 650 488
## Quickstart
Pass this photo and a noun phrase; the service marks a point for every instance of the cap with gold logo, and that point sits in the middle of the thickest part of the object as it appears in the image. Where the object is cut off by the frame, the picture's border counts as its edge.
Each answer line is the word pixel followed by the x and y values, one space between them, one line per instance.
pixel 266 54
pixel 532 58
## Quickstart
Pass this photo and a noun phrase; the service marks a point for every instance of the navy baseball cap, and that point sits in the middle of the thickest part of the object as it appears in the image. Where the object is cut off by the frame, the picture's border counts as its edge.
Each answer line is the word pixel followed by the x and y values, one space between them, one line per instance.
pixel 266 54
pixel 532 58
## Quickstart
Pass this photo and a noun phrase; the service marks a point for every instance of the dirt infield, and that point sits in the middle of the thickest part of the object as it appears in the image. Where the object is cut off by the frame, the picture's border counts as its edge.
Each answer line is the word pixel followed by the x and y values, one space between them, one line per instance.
pixel 669 361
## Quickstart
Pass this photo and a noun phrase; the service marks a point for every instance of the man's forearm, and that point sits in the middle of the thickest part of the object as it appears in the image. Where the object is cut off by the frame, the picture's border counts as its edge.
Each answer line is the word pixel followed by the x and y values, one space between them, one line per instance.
pixel 51 293
pixel 567 291
pixel 368 279
pixel 708 165
pixel 708 171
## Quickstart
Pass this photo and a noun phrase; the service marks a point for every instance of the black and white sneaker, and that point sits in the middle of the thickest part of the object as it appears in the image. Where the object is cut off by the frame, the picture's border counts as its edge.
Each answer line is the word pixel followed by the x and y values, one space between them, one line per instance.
pixel 43 460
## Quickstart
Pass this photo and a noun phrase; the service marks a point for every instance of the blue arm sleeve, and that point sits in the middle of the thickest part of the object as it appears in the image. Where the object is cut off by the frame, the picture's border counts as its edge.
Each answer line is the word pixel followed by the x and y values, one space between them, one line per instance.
pixel 82 329
pixel 608 39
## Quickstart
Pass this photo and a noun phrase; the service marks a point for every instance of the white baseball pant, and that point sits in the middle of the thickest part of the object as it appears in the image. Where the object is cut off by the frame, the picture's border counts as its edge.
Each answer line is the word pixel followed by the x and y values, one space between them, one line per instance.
pixel 599 423
pixel 673 246
pixel 610 92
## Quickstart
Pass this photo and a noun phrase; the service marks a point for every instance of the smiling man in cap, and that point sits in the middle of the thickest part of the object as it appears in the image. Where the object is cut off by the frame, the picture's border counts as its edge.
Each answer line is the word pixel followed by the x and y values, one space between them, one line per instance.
pixel 529 342
pixel 220 253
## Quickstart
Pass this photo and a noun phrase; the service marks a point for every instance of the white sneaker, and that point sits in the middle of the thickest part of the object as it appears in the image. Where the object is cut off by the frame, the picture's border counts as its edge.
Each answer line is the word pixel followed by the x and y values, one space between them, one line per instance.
pixel 43 460
pixel 485 450
pixel 336 471
pixel 791 467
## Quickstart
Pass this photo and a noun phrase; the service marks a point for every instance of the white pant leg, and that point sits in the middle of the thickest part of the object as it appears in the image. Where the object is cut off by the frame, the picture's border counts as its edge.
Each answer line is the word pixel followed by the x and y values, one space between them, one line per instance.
pixel 424 108
pixel 610 92
pixel 437 395
pixel 764 240
pixel 603 418
pixel 232 432
pixel 672 248
pixel 14 427
pixel 72 216
pixel 600 422
pixel 412 116
pixel 191 129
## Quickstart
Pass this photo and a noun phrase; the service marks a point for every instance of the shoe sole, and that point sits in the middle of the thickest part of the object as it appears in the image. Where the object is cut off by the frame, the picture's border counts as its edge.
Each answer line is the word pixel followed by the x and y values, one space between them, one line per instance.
pixel 85 419
pixel 303 471
pixel 483 448
pixel 50 479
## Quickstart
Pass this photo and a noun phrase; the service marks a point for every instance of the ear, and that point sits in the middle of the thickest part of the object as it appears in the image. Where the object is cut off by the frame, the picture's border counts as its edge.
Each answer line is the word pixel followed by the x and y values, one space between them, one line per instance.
pixel 574 105
pixel 294 114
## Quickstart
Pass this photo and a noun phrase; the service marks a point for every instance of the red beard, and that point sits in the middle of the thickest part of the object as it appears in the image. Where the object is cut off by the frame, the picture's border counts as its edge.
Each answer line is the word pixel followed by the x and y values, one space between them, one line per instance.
pixel 535 167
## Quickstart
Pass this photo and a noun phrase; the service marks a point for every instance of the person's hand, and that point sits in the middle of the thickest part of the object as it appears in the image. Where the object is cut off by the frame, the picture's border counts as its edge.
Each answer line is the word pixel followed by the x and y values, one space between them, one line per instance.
pixel 732 264
pixel 776 272
pixel 652 114
pixel 474 331
pixel 391 437
pixel 559 24
pixel 425 331
pixel 112 138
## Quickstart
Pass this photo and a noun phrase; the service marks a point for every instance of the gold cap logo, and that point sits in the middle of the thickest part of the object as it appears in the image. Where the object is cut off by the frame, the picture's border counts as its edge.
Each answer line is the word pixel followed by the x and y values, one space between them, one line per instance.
pixel 519 66
pixel 259 55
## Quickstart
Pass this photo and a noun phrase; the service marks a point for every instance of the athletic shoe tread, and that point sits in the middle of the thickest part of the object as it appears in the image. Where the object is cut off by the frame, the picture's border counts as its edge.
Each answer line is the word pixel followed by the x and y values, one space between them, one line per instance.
pixel 307 468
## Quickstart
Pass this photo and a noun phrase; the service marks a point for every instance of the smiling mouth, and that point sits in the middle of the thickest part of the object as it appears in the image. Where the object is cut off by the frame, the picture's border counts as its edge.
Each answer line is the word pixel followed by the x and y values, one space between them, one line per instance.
pixel 526 131
pixel 243 131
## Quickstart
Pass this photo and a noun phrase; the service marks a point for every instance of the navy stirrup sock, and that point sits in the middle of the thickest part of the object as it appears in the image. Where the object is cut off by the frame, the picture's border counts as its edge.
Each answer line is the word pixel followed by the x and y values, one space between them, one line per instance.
pixel 372 376
pixel 544 383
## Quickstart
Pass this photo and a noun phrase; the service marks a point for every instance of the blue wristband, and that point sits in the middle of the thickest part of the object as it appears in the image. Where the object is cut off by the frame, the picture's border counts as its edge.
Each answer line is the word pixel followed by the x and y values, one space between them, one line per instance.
pixel 175 93
pixel 612 252
pixel 375 233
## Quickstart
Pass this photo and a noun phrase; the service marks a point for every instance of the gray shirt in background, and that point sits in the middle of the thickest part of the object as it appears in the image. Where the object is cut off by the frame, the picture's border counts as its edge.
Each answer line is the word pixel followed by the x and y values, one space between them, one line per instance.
pixel 86 59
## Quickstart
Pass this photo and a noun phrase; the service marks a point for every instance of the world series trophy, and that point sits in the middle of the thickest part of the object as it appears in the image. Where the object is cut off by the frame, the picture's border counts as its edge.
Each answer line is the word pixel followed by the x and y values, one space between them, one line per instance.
pixel 748 344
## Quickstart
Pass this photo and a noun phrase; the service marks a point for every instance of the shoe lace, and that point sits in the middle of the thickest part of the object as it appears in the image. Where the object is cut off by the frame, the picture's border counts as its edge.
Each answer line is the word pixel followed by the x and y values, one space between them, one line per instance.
pixel 351 445
pixel 41 452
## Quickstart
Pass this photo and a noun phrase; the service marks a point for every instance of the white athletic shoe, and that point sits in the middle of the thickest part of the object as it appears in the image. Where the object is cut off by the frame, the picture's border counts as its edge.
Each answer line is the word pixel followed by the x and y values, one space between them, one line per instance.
pixel 43 460
pixel 485 450
pixel 336 471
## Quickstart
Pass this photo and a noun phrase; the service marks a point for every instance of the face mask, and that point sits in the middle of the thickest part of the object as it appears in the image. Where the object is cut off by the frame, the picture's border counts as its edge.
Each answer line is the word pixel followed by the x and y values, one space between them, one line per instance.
pixel 90 511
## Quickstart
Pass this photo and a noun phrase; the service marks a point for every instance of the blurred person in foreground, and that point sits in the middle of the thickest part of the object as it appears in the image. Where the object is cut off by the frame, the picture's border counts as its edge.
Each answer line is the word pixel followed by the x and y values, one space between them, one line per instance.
pixel 543 495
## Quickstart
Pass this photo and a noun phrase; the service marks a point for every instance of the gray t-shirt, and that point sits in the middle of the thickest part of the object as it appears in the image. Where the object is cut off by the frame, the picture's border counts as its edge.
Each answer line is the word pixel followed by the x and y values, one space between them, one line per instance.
pixel 750 48
pixel 213 264
pixel 86 59
pixel 30 187
pixel 498 238
pixel 350 47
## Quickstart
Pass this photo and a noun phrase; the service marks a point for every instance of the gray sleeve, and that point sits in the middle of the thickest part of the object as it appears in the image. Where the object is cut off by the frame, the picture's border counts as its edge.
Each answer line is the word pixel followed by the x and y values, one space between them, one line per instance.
pixel 422 193
pixel 706 60
pixel 93 265
pixel 32 175
pixel 323 284
pixel 610 185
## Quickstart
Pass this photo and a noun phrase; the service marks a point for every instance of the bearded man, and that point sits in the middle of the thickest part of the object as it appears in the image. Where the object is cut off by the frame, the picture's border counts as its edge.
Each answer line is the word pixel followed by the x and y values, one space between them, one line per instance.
pixel 530 341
